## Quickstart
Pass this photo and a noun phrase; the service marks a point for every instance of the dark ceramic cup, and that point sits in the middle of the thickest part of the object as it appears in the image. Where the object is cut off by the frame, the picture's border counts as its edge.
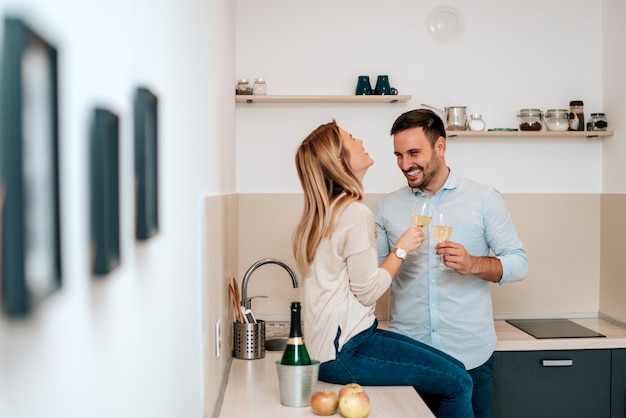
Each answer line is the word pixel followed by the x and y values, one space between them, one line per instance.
pixel 363 86
pixel 383 87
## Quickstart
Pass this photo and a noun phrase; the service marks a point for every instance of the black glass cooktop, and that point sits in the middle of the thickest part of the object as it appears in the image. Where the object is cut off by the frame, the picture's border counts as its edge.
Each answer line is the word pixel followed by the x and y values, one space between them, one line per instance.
pixel 553 328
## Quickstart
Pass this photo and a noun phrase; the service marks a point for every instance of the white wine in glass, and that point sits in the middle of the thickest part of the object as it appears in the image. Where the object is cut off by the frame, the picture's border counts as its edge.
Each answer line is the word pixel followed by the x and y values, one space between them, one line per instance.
pixel 422 217
pixel 441 231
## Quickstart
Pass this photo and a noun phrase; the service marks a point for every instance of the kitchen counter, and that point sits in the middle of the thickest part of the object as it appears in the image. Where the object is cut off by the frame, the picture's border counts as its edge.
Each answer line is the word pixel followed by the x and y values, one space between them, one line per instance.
pixel 511 338
pixel 252 390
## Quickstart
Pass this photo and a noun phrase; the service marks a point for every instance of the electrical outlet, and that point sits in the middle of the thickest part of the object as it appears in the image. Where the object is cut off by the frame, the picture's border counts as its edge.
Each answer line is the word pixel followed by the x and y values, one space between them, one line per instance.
pixel 218 338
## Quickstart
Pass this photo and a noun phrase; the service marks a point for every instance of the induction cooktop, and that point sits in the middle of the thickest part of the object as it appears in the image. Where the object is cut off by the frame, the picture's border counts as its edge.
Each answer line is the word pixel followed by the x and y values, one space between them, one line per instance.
pixel 553 328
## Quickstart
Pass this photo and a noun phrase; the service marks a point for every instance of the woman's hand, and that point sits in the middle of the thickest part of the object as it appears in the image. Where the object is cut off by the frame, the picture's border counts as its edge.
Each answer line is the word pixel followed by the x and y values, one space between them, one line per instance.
pixel 411 240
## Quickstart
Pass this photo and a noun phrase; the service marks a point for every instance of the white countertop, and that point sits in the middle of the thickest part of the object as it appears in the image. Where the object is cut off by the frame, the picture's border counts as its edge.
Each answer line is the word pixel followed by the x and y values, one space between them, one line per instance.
pixel 252 388
pixel 252 391
pixel 511 338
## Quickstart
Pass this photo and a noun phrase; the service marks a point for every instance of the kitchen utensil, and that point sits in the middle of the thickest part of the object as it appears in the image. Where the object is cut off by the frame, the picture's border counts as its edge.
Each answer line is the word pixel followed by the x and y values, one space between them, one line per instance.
pixel 233 288
pixel 235 285
pixel 363 86
pixel 238 315
pixel 249 340
pixel 454 117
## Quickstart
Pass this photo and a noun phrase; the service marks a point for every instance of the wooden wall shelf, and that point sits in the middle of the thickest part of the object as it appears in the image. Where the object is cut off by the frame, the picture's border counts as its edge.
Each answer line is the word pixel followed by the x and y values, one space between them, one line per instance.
pixel 527 134
pixel 322 99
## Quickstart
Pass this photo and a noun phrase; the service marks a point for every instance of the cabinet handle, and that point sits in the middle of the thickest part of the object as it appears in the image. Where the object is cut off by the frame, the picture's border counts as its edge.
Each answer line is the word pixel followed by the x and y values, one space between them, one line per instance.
pixel 557 363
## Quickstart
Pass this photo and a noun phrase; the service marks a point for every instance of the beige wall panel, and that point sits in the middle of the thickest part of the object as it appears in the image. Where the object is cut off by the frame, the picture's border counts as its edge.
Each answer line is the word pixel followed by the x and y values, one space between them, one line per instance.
pixel 561 236
pixel 266 224
pixel 219 245
pixel 563 250
pixel 613 284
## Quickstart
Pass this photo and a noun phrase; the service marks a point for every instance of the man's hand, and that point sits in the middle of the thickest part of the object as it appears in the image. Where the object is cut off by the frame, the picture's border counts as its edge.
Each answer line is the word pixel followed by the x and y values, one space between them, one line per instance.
pixel 457 258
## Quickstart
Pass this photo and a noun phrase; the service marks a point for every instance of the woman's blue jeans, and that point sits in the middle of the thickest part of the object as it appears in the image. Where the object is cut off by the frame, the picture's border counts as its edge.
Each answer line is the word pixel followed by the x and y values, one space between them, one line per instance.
pixel 377 357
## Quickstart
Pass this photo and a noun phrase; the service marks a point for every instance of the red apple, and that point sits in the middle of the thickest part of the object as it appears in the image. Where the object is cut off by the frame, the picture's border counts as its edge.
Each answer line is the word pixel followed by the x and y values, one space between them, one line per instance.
pixel 354 405
pixel 324 402
pixel 350 388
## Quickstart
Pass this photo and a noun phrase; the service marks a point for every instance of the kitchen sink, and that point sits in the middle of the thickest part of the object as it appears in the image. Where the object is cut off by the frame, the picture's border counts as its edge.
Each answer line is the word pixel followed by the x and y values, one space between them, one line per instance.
pixel 275 344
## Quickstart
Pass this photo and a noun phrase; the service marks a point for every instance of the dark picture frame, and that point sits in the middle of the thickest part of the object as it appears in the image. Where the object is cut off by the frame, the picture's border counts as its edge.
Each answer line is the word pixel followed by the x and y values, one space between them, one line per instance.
pixel 146 163
pixel 104 191
pixel 29 167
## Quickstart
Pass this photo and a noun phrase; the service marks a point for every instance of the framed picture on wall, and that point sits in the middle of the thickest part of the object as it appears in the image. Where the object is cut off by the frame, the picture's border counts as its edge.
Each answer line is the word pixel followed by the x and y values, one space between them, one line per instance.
pixel 146 163
pixel 104 191
pixel 29 167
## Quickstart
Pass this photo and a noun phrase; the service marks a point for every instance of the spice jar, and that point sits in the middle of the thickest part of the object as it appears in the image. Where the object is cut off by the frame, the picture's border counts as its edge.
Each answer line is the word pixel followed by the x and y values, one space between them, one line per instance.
pixel 576 116
pixel 557 119
pixel 476 122
pixel 243 87
pixel 598 122
pixel 259 87
pixel 530 119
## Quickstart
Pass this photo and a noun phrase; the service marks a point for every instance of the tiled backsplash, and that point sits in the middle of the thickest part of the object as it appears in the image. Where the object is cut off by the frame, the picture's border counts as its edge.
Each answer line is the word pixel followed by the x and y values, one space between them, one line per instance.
pixel 275 329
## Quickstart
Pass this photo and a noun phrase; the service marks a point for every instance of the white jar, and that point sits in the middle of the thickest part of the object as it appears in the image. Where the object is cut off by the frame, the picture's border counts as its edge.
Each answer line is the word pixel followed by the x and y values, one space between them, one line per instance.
pixel 259 87
pixel 557 119
pixel 476 122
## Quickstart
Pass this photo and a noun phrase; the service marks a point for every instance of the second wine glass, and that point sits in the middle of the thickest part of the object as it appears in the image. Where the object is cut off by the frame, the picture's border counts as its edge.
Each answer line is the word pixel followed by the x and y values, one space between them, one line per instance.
pixel 420 216
pixel 441 230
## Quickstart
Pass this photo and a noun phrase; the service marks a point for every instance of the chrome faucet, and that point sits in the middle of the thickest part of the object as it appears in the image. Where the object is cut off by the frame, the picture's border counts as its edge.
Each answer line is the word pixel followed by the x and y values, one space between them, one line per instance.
pixel 245 300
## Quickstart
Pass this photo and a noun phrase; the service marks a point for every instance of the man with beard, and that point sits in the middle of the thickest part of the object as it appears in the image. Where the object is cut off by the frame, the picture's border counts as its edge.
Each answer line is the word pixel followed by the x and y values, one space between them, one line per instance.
pixel 448 309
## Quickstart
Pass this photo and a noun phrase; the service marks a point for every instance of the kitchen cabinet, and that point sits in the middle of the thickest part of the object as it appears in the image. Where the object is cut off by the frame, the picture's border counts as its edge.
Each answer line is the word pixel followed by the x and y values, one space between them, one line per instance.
pixel 547 384
pixel 560 377
pixel 618 383
pixel 250 99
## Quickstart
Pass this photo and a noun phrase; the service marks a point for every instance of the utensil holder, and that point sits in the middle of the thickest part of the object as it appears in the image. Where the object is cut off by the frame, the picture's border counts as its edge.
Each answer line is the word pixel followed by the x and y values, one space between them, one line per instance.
pixel 249 340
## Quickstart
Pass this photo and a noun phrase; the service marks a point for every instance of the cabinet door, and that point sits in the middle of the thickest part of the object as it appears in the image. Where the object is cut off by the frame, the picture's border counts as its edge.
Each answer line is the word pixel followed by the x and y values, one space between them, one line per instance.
pixel 550 384
pixel 618 384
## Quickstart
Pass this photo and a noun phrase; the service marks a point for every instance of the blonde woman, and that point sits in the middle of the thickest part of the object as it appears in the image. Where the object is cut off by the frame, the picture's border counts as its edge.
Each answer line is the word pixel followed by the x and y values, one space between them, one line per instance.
pixel 335 250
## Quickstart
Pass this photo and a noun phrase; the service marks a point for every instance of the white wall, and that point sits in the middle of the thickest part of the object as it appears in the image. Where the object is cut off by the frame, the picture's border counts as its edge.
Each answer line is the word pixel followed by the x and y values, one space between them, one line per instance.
pixel 614 87
pixel 512 55
pixel 129 344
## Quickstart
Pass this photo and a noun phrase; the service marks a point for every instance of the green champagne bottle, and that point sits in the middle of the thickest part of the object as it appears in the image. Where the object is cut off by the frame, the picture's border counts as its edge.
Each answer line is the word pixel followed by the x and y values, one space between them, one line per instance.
pixel 295 353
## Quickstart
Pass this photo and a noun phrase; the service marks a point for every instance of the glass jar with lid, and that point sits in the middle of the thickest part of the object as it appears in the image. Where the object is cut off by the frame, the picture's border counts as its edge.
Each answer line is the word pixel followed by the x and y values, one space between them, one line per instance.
pixel 530 119
pixel 243 86
pixel 476 122
pixel 576 115
pixel 598 122
pixel 557 119
pixel 259 87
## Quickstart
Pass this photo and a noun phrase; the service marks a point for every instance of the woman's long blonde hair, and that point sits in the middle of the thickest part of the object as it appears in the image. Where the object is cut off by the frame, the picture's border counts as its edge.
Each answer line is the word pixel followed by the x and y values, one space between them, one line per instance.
pixel 328 184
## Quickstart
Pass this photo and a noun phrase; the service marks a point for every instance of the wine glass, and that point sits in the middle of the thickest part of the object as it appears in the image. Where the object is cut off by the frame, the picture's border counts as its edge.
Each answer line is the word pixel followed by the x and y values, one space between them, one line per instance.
pixel 420 216
pixel 441 230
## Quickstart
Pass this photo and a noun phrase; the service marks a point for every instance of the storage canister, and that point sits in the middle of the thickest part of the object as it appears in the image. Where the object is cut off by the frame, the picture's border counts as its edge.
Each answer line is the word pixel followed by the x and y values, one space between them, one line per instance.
pixel 576 116
pixel 557 119
pixel 530 119
pixel 476 122
pixel 243 87
pixel 259 87
pixel 598 122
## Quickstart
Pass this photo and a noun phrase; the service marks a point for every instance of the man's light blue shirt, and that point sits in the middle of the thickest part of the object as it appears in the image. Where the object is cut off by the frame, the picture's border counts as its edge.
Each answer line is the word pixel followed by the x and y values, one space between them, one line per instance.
pixel 450 311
